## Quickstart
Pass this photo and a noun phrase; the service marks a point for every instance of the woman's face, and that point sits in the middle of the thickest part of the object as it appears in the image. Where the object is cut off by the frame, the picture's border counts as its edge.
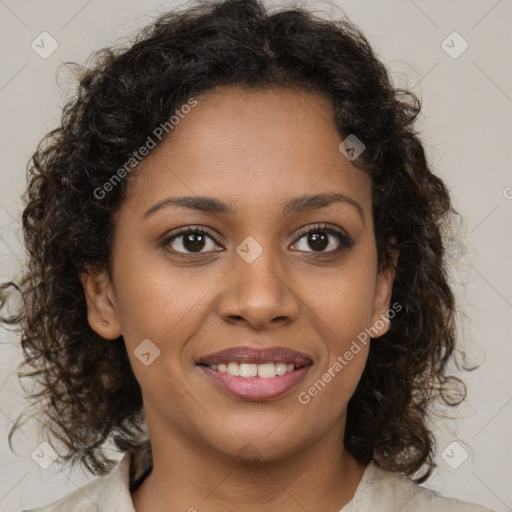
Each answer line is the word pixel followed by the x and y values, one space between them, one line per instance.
pixel 251 164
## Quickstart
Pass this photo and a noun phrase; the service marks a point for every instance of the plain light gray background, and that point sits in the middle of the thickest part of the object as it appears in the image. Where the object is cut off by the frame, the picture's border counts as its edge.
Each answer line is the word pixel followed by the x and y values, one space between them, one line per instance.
pixel 466 125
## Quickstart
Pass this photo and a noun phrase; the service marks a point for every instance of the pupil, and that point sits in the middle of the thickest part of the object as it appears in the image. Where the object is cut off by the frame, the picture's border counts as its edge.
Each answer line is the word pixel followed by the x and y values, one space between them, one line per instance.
pixel 318 241
pixel 194 242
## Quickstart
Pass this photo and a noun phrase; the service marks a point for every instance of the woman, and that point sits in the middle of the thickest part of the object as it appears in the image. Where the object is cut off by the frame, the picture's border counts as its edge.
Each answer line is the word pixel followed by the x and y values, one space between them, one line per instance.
pixel 236 273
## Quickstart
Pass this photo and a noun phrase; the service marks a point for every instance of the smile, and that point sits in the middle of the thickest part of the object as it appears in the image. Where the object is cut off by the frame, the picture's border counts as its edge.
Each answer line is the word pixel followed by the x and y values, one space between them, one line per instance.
pixel 257 375
pixel 264 371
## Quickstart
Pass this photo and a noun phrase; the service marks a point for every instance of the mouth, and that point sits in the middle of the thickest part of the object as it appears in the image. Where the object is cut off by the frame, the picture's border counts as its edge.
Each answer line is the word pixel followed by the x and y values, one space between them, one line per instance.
pixel 256 374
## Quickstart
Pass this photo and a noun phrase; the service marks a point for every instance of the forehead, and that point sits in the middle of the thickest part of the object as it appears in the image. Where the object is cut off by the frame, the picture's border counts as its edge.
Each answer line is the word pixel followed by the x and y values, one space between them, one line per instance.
pixel 250 147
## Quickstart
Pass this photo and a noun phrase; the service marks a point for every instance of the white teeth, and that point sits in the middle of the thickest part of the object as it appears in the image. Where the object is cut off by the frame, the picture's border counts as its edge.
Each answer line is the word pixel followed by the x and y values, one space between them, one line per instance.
pixel 267 370
pixel 248 370
pixel 234 369
pixel 264 371
pixel 281 368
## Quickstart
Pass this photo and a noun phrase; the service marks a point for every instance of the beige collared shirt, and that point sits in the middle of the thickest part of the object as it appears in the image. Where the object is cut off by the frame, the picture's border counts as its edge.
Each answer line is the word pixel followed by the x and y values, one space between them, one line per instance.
pixel 378 491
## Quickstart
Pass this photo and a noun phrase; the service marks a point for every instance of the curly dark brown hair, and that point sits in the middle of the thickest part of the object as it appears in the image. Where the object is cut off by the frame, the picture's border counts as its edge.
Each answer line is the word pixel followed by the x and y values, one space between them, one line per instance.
pixel 86 390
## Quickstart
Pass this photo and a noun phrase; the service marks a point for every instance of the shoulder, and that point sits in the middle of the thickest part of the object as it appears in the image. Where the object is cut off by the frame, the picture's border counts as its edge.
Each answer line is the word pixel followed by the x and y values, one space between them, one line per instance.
pixel 385 491
pixel 110 492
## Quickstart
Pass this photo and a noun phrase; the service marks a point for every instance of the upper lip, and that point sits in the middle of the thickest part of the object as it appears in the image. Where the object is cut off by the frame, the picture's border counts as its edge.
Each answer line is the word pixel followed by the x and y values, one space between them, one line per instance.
pixel 257 356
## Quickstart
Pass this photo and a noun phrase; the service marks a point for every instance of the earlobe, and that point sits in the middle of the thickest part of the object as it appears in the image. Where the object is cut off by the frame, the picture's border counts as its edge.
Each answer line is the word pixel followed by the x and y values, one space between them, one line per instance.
pixel 101 308
pixel 384 288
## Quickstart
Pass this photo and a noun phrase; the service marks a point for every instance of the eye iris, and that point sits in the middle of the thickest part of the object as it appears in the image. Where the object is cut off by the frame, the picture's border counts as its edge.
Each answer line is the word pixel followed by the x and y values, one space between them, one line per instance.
pixel 318 240
pixel 193 242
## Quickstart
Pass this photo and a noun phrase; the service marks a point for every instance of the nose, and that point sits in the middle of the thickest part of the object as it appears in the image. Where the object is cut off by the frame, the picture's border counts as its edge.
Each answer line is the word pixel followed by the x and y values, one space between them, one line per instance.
pixel 259 294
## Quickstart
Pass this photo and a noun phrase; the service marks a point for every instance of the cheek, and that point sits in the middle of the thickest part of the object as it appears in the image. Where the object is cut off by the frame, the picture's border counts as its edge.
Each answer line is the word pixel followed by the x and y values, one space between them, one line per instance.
pixel 345 311
pixel 346 302
pixel 151 295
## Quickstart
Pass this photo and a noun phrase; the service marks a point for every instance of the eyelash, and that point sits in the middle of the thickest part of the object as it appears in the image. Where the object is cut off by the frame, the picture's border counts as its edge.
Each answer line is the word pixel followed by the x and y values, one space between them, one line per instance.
pixel 345 242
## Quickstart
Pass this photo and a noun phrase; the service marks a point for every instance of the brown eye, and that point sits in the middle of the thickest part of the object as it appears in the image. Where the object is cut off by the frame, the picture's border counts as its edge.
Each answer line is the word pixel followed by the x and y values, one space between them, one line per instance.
pixel 190 241
pixel 321 239
pixel 193 242
pixel 318 241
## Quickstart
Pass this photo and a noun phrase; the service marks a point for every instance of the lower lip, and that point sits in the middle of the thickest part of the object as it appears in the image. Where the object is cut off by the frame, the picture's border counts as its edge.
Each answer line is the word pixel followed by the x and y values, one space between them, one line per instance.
pixel 256 388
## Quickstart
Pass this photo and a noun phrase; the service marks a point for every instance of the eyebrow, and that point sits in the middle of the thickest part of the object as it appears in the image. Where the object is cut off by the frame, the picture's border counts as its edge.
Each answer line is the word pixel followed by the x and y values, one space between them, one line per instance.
pixel 296 205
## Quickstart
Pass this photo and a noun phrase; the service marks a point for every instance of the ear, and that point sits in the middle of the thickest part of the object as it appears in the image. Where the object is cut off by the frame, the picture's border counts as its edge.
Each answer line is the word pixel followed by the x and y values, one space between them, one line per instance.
pixel 101 308
pixel 381 304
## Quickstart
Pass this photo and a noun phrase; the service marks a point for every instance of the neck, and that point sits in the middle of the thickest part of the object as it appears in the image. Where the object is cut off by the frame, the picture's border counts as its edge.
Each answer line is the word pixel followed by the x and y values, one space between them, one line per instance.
pixel 189 477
